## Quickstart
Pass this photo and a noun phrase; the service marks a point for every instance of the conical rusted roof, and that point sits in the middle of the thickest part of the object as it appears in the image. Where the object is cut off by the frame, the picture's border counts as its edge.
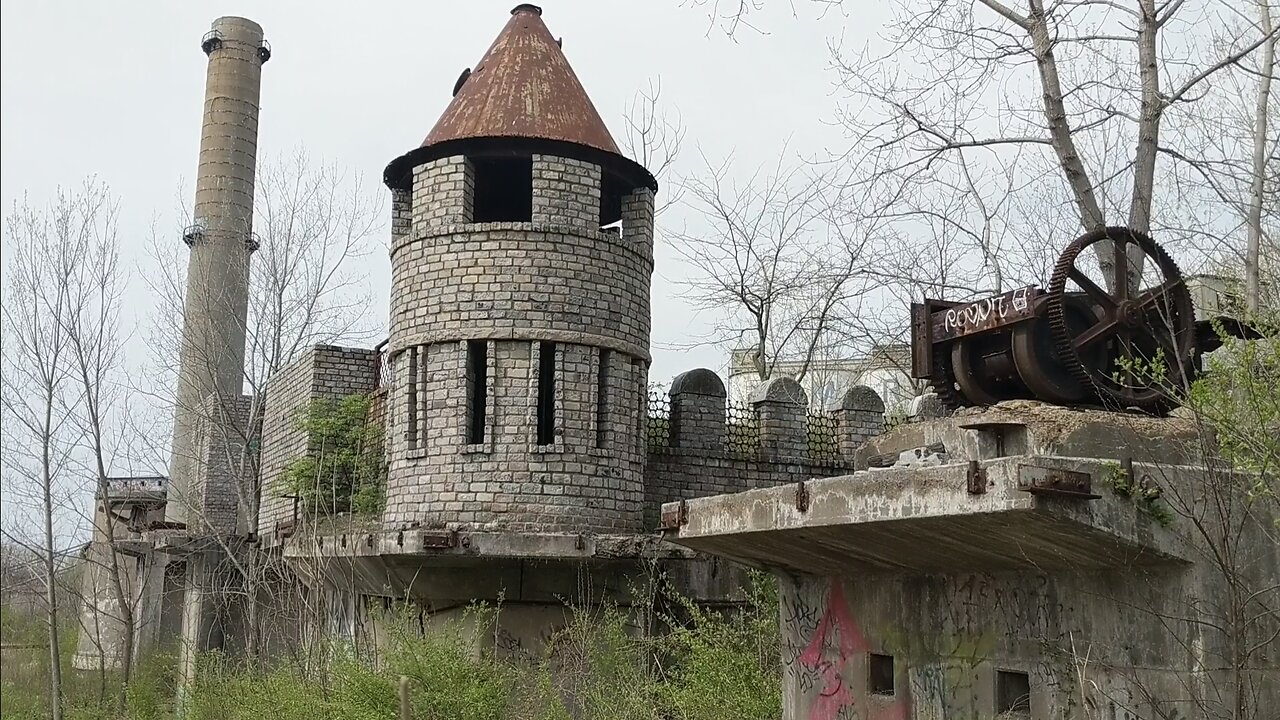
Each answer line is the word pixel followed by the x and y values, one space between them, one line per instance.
pixel 522 97
pixel 523 87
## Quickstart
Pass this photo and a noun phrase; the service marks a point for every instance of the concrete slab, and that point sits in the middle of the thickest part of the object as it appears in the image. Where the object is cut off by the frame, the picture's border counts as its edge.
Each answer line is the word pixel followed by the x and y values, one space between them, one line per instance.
pixel 925 519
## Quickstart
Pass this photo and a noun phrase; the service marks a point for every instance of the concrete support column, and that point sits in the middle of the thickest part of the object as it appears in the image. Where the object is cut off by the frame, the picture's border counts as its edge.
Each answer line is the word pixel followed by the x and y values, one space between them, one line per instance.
pixel 782 407
pixel 859 418
pixel 697 410
pixel 197 621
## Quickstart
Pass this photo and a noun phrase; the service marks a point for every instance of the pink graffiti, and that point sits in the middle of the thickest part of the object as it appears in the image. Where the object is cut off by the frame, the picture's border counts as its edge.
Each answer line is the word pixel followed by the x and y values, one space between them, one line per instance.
pixel 835 694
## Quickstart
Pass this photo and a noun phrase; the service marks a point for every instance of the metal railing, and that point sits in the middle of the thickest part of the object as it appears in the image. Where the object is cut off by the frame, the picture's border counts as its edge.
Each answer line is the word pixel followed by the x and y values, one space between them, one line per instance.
pixel 741 430
pixel 823 435
pixel 658 422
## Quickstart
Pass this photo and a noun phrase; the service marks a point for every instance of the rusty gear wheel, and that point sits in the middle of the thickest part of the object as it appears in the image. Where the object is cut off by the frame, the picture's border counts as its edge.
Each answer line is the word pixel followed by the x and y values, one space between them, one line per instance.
pixel 1116 355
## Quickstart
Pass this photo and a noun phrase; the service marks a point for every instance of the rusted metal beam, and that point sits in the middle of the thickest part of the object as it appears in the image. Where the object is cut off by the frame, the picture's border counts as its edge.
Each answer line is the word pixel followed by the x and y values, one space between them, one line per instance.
pixel 675 515
pixel 984 315
pixel 976 479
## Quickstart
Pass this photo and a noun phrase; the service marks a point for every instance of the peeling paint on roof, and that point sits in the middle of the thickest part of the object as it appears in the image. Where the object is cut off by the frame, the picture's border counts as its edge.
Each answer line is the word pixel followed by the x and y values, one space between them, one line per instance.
pixel 523 87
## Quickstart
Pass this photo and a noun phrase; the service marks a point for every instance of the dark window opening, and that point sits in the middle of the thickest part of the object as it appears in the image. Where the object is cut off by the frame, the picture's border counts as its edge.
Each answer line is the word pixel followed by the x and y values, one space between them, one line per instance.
pixel 411 399
pixel 546 393
pixel 503 189
pixel 477 389
pixel 1013 692
pixel 880 674
pixel 602 398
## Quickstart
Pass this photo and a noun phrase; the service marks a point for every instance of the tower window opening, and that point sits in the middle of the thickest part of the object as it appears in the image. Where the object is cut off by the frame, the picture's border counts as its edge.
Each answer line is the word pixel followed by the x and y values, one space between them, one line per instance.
pixel 411 398
pixel 880 674
pixel 602 398
pixel 503 189
pixel 477 389
pixel 546 393
pixel 1013 692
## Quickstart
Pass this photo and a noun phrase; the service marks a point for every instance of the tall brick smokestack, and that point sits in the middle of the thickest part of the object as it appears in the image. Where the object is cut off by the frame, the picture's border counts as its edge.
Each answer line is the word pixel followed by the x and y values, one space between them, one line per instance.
pixel 221 241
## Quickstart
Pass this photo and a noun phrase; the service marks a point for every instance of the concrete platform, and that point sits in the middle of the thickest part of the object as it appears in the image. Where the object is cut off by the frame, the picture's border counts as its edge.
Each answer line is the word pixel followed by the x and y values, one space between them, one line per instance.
pixel 444 568
pixel 925 519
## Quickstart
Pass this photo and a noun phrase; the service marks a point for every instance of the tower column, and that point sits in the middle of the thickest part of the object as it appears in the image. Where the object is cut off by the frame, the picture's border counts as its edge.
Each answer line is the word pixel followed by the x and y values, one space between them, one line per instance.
pixel 215 312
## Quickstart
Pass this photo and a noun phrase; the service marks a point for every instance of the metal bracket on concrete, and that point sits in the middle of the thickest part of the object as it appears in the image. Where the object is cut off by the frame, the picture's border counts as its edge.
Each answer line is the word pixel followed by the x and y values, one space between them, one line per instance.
pixel 1053 481
pixel 997 431
pixel 976 479
pixel 802 497
pixel 673 518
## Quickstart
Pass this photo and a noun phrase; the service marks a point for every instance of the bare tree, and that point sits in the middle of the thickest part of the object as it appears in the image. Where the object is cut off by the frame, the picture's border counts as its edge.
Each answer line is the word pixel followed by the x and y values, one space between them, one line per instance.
pixel 95 354
pixel 768 259
pixel 653 137
pixel 1059 88
pixel 34 384
pixel 312 222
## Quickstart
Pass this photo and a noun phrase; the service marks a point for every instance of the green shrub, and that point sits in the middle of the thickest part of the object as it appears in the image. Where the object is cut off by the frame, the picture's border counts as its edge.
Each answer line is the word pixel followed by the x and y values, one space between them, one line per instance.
pixel 344 470
pixel 727 666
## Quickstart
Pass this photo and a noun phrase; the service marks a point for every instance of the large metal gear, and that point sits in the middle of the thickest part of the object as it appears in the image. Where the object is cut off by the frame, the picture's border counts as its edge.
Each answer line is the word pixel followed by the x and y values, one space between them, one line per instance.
pixel 1140 348
pixel 1135 346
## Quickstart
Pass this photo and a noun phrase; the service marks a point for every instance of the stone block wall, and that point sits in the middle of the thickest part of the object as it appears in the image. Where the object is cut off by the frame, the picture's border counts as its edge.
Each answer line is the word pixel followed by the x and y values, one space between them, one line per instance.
pixel 222 481
pixel 324 371
pixel 566 192
pixel 702 452
pixel 637 217
pixel 443 193
pixel 511 287
pixel 585 479
pixel 401 214
pixel 521 281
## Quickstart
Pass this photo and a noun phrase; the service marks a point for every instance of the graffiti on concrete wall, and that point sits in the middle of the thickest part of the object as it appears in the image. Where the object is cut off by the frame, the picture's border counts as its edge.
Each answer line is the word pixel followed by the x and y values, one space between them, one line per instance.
pixel 826 665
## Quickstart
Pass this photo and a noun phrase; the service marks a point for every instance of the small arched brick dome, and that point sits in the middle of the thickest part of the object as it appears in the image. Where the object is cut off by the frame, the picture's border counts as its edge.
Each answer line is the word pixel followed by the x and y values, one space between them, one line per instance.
pixel 861 397
pixel 780 390
pixel 698 382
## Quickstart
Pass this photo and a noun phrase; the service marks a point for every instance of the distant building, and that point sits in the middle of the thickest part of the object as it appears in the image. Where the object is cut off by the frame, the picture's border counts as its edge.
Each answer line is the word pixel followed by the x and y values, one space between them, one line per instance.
pixel 825 381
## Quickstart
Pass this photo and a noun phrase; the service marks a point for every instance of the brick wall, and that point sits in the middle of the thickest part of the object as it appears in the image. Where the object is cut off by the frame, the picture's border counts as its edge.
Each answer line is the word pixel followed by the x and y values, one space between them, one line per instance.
pixel 698 456
pixel 566 192
pixel 324 371
pixel 222 481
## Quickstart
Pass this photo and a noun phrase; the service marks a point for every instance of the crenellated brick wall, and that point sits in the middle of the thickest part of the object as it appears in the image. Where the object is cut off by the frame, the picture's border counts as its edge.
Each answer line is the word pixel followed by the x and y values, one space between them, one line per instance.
pixel 772 442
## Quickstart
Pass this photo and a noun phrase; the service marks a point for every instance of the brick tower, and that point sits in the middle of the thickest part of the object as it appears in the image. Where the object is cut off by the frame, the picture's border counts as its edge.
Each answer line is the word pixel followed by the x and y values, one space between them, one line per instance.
pixel 521 255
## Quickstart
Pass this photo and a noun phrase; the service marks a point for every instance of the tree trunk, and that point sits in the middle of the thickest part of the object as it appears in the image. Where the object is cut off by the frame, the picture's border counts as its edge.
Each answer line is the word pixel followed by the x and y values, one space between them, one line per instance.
pixel 51 576
pixel 1258 168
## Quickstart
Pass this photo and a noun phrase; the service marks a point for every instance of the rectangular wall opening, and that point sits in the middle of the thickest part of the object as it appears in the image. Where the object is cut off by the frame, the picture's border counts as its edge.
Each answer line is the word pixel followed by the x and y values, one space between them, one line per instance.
pixel 477 389
pixel 503 190
pixel 1013 692
pixel 880 674
pixel 602 398
pixel 411 399
pixel 546 393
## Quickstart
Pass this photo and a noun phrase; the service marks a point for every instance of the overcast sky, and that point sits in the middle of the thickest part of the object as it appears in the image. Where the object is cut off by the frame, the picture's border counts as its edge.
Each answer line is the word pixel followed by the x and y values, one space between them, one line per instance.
pixel 115 88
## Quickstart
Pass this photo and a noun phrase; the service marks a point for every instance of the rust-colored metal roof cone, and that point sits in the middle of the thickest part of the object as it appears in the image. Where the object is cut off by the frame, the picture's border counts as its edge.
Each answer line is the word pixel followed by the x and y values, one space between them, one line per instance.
pixel 523 87
pixel 522 97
